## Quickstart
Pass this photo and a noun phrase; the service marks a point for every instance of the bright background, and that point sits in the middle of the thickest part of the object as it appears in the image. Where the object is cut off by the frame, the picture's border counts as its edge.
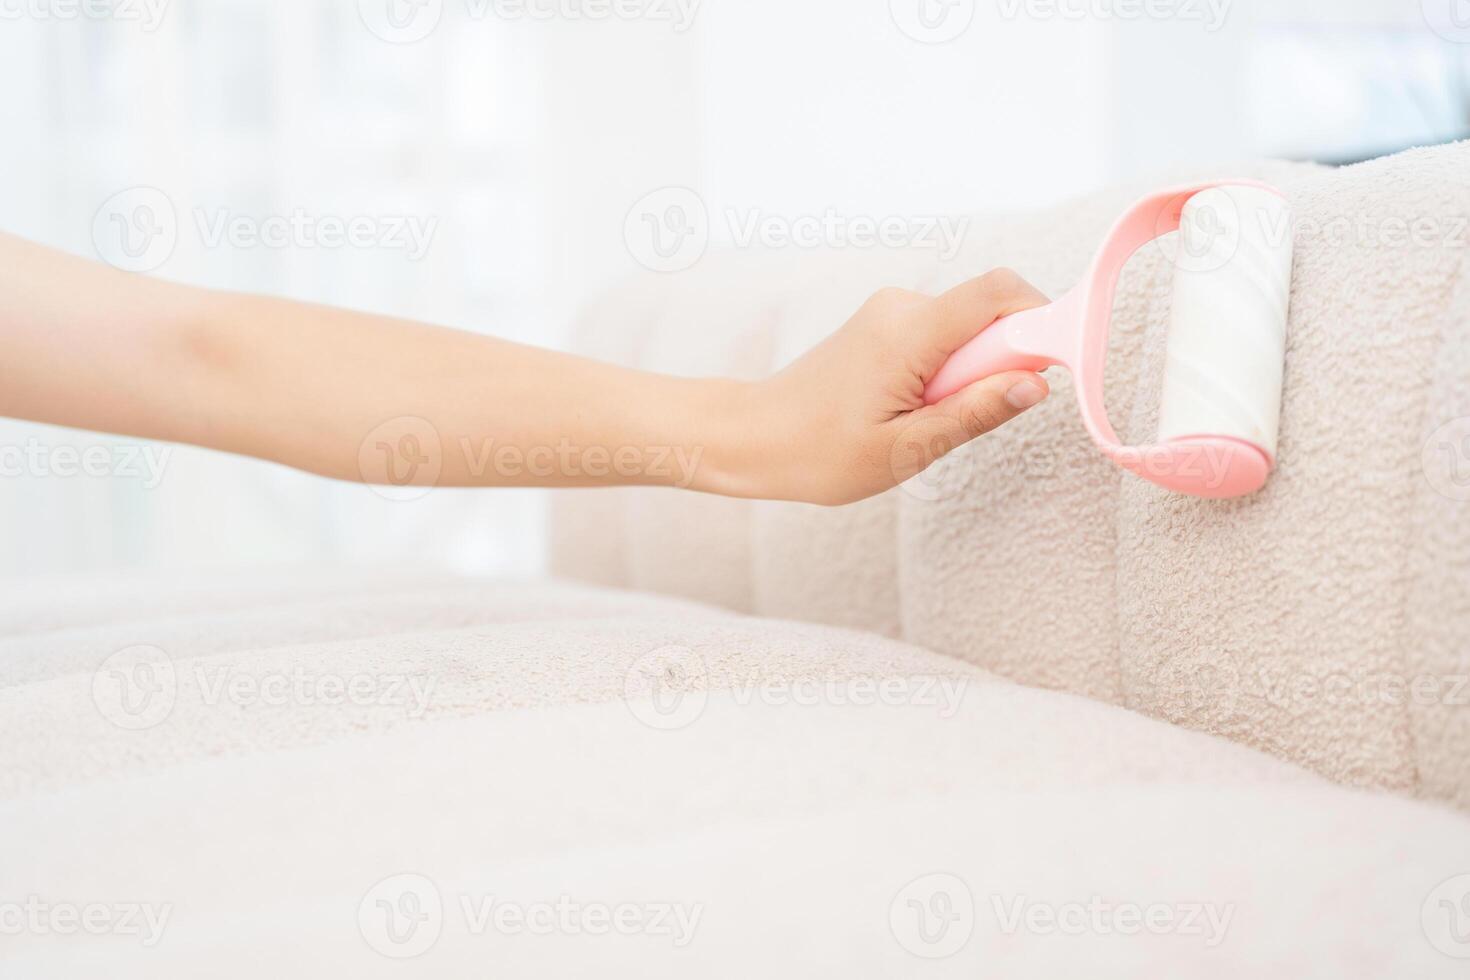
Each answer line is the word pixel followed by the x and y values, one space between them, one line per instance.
pixel 528 141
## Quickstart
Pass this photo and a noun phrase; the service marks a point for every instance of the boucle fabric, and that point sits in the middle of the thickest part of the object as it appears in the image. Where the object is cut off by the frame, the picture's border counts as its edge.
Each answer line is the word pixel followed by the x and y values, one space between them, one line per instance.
pixel 1323 620
pixel 610 783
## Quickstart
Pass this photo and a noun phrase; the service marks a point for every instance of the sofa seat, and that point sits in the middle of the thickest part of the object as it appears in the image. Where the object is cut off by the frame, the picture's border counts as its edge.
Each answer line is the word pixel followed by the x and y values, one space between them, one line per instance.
pixel 321 774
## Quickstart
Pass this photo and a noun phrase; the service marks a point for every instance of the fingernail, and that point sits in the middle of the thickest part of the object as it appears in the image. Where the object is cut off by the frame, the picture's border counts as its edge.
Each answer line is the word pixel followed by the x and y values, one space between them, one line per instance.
pixel 1025 394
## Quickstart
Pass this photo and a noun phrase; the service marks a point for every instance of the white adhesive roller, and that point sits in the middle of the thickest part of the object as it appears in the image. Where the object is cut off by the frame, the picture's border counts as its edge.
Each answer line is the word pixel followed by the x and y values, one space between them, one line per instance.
pixel 1221 406
pixel 1227 329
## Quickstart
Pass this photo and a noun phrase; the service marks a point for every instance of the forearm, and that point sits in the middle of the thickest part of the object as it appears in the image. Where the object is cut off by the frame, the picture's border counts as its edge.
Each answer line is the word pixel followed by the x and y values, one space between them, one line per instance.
pixel 336 392
pixel 319 382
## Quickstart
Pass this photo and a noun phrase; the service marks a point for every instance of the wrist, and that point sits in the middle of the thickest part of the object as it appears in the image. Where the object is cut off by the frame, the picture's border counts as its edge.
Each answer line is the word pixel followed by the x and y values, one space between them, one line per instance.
pixel 733 438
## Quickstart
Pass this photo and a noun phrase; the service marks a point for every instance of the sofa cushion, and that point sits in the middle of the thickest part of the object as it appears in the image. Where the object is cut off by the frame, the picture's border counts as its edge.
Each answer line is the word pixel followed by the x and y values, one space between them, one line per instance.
pixel 574 780
pixel 1289 620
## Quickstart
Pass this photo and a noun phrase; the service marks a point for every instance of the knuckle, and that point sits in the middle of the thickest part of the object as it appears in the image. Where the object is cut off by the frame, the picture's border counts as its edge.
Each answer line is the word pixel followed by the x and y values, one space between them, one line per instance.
pixel 979 418
pixel 893 314
pixel 893 299
pixel 1003 281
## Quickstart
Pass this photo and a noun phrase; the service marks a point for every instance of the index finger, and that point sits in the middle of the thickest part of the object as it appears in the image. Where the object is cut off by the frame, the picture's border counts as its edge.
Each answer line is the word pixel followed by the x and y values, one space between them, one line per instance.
pixel 974 305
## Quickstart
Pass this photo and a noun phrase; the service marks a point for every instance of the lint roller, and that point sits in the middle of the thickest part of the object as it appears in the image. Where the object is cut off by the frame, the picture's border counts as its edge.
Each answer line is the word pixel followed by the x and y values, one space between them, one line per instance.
pixel 1221 405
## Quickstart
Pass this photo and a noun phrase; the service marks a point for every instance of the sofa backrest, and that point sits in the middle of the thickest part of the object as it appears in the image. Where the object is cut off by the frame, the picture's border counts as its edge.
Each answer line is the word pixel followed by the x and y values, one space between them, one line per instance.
pixel 1325 620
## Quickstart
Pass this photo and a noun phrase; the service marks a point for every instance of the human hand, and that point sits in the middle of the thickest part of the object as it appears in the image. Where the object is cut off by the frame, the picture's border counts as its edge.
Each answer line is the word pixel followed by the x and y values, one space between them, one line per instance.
pixel 848 420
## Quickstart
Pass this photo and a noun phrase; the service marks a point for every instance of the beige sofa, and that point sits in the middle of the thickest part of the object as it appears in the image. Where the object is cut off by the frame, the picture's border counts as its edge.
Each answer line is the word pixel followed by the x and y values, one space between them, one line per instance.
pixel 1326 621
pixel 773 740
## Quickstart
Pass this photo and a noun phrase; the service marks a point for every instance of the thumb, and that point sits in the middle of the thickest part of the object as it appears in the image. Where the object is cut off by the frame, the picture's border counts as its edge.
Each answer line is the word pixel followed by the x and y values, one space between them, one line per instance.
pixel 989 403
pixel 992 402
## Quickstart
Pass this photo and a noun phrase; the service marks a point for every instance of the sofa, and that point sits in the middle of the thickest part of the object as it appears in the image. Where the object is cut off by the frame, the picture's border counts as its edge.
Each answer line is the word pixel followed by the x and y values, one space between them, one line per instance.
pixel 1023 716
